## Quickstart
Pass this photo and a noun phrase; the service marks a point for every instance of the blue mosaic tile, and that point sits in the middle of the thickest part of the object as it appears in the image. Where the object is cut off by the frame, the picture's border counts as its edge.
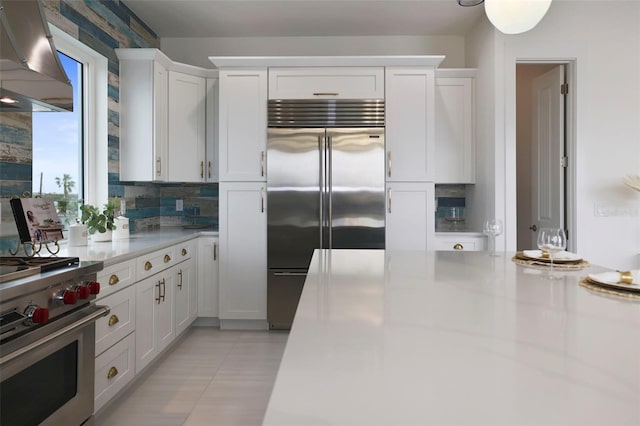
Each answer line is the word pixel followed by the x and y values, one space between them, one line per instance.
pixel 113 92
pixel 451 202
pixel 114 117
pixel 116 190
pixel 15 135
pixel 15 171
pixel 209 190
pixel 113 178
pixel 9 188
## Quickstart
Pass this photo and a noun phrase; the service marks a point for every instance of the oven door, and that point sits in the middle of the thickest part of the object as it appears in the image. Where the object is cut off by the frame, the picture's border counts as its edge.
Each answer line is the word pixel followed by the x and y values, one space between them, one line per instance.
pixel 48 375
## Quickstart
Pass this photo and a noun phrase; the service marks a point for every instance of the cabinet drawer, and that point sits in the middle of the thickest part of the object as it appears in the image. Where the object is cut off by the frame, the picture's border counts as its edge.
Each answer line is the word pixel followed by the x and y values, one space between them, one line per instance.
pixel 116 277
pixel 185 250
pixel 114 369
pixel 155 262
pixel 464 243
pixel 326 83
pixel 120 321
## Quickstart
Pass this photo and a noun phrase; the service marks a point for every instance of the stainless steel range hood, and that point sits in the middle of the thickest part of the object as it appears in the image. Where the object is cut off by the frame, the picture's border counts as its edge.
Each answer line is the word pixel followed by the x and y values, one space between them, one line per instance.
pixel 30 71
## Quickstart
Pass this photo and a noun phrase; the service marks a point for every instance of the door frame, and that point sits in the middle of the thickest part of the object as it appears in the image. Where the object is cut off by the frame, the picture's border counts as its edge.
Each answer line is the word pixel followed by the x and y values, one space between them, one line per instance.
pixel 570 150
pixel 526 162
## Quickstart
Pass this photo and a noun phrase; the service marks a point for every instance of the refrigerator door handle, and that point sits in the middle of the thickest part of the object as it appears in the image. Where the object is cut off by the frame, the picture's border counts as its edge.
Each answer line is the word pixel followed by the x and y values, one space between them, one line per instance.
pixel 321 183
pixel 330 192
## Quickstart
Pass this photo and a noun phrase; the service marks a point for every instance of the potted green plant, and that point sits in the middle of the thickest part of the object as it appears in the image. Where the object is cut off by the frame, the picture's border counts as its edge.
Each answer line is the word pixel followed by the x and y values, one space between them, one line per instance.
pixel 100 223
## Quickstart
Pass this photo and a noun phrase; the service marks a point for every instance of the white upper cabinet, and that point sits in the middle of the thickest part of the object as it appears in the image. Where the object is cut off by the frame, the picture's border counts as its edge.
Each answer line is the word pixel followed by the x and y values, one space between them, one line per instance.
pixel 326 83
pixel 187 128
pixel 163 106
pixel 242 123
pixel 143 115
pixel 211 120
pixel 409 110
pixel 455 126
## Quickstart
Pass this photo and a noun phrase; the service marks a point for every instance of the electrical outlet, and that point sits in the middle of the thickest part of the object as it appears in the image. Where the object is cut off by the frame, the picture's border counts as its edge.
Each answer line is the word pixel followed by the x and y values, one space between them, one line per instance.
pixel 179 205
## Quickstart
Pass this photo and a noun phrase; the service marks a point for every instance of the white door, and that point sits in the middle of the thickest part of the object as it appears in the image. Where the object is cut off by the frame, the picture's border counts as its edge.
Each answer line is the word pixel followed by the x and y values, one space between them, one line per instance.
pixel 548 182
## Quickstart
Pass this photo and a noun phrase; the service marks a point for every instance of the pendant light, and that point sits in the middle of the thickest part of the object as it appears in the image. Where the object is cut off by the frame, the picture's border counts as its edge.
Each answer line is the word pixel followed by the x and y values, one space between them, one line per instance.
pixel 515 16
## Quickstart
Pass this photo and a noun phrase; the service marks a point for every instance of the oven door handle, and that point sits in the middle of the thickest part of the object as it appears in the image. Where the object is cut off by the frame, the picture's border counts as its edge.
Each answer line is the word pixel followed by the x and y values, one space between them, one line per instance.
pixel 100 311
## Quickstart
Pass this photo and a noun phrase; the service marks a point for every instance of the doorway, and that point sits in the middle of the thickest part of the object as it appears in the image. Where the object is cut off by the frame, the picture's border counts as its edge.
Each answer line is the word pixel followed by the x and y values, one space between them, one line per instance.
pixel 543 143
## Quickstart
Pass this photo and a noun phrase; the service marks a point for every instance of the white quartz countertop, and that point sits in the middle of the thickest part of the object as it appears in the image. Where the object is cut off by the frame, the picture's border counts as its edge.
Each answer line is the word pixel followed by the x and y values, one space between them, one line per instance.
pixel 115 251
pixel 441 338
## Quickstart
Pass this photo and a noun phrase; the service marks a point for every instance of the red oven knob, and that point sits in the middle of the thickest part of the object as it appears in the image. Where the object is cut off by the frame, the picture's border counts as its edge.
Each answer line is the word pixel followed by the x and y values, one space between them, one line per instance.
pixel 94 287
pixel 83 291
pixel 36 315
pixel 66 297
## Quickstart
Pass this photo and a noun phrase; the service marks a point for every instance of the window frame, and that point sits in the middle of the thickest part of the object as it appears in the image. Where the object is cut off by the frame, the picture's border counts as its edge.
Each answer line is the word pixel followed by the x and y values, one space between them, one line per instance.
pixel 95 115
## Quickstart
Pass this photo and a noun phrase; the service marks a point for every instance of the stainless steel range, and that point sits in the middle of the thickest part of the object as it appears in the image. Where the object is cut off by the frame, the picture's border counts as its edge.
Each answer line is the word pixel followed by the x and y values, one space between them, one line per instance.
pixel 47 340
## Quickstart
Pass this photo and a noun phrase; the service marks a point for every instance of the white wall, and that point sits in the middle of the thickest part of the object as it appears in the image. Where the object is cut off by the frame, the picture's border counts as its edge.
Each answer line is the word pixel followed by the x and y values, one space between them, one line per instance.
pixel 480 54
pixel 195 51
pixel 603 37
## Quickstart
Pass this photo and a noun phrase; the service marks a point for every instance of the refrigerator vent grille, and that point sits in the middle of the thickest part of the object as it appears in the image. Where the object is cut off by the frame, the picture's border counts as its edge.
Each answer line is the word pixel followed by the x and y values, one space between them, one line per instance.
pixel 326 113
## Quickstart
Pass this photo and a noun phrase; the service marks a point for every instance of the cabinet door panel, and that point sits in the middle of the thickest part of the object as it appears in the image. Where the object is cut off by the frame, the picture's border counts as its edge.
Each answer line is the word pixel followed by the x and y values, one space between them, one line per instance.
pixel 410 216
pixel 242 125
pixel 409 109
pixel 208 277
pixel 165 328
pixel 327 82
pixel 184 295
pixel 186 128
pixel 243 251
pixel 146 342
pixel 454 146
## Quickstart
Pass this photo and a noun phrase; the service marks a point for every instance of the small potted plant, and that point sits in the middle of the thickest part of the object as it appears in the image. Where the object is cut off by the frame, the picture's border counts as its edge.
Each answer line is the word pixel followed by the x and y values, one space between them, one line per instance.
pixel 100 223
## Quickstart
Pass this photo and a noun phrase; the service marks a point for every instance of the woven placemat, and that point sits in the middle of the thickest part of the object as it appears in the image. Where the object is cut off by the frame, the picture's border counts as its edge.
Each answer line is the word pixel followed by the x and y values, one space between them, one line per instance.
pixel 521 259
pixel 585 282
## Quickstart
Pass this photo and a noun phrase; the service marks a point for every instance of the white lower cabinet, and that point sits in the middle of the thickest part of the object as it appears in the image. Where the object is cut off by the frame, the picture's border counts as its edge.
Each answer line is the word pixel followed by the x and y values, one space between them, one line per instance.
pixel 410 215
pixel 459 241
pixel 152 299
pixel 208 277
pixel 154 317
pixel 243 251
pixel 114 370
pixel 186 302
pixel 121 320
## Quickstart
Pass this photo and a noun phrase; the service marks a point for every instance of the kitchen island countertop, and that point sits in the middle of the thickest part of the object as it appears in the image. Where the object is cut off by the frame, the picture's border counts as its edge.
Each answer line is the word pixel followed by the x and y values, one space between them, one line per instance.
pixel 415 338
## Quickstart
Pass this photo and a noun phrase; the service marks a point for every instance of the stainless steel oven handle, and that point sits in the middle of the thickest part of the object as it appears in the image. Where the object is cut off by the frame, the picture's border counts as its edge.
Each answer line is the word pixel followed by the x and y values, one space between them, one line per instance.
pixel 101 312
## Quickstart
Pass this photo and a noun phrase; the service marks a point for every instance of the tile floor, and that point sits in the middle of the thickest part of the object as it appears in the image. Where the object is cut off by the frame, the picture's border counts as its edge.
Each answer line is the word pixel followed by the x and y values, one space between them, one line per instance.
pixel 210 377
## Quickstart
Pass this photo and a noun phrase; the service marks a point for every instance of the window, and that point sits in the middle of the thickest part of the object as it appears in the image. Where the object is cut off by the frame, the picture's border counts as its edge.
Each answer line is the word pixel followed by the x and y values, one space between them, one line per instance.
pixel 70 148
pixel 58 149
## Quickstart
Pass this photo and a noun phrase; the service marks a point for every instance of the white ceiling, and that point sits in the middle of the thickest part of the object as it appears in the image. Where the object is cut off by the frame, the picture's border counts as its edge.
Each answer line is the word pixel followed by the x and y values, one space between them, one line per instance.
pixel 296 18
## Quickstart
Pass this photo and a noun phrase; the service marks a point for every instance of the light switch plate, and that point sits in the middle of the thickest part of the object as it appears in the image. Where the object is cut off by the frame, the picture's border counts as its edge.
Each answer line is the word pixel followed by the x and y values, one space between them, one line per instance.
pixel 179 205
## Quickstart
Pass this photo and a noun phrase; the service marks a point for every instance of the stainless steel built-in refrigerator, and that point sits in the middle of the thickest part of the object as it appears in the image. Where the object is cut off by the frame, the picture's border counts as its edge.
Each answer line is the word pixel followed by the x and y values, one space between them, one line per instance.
pixel 325 183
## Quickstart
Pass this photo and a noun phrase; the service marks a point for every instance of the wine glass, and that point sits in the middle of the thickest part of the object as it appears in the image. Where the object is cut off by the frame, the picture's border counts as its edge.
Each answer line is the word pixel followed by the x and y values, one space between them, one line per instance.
pixel 492 228
pixel 552 241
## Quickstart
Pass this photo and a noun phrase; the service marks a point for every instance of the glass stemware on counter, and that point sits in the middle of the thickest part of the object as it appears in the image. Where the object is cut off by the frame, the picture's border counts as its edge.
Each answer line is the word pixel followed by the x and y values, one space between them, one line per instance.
pixel 552 241
pixel 492 228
